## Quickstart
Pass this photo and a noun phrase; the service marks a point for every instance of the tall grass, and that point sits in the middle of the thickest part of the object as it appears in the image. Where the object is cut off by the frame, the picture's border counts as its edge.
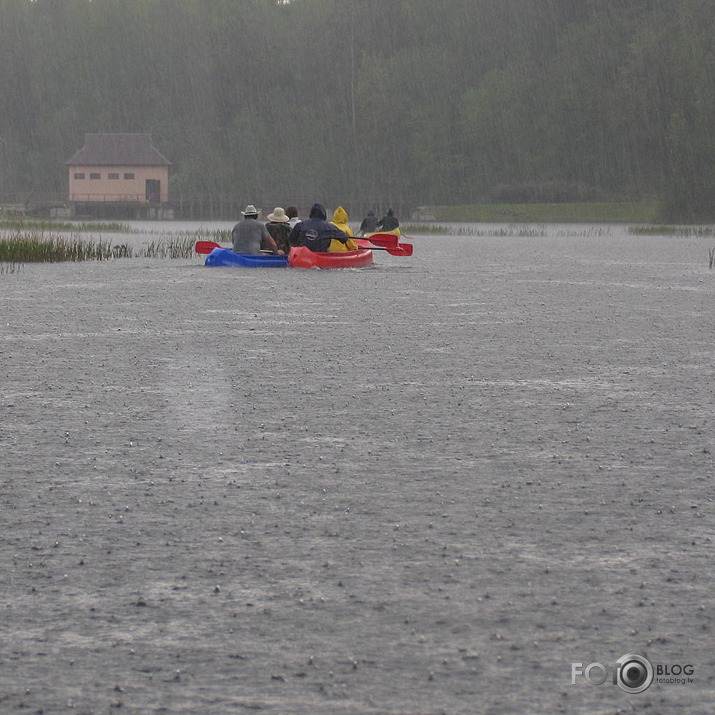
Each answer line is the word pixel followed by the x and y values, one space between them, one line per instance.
pixel 31 247
pixel 182 244
pixel 434 228
pixel 469 230
pixel 40 246
pixel 611 212
pixel 19 224
pixel 671 230
pixel 219 235
pixel 179 247
pixel 10 268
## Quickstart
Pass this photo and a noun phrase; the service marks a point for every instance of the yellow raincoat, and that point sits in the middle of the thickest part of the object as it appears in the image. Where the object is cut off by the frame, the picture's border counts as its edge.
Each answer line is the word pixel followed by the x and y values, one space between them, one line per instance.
pixel 340 219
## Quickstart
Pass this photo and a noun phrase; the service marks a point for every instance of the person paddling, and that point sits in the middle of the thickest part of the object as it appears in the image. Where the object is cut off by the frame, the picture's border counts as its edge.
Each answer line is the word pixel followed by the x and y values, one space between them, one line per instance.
pixel 319 235
pixel 388 222
pixel 340 219
pixel 250 236
pixel 279 227
pixel 369 223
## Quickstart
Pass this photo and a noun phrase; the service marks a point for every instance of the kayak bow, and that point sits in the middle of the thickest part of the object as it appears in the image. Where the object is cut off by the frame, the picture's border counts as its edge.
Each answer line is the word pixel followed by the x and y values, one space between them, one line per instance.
pixel 303 257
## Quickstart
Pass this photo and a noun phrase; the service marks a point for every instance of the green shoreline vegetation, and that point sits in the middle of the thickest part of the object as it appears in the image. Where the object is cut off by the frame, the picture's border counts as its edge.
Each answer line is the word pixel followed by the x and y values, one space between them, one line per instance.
pixel 40 247
pixel 584 212
pixel 20 224
pixel 433 218
pixel 591 102
pixel 32 241
pixel 27 246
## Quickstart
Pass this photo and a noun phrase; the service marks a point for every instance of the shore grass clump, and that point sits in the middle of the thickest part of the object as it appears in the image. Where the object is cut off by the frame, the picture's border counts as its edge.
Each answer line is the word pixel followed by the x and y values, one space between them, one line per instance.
pixel 470 230
pixel 181 246
pixel 671 230
pixel 439 229
pixel 580 212
pixel 218 235
pixel 23 224
pixel 10 268
pixel 33 247
pixel 426 228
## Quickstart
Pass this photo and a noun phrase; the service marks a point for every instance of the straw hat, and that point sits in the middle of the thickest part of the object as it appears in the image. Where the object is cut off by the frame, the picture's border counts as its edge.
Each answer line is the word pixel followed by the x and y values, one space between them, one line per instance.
pixel 278 215
pixel 251 210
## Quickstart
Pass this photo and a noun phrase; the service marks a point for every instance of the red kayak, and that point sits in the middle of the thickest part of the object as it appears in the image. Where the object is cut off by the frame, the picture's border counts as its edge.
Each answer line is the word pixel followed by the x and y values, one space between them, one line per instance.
pixel 302 257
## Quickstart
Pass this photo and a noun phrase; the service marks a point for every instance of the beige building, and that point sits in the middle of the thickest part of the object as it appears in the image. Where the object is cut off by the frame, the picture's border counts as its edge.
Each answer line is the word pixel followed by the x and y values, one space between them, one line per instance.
pixel 119 169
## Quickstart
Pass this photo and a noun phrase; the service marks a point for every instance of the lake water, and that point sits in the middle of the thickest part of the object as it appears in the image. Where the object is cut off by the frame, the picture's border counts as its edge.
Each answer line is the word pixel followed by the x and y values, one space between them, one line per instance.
pixel 425 487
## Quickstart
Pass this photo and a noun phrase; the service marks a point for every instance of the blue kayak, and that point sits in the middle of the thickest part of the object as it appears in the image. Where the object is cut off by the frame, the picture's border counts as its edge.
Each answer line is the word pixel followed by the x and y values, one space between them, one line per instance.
pixel 226 257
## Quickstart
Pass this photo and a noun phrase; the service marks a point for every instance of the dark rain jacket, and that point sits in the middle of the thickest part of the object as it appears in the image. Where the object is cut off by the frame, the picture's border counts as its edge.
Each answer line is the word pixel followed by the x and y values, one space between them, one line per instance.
pixel 389 222
pixel 316 233
pixel 369 223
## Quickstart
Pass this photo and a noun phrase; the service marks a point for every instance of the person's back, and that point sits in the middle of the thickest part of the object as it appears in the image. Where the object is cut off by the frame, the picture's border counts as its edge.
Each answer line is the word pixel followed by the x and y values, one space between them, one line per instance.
pixel 292 214
pixel 316 233
pixel 389 222
pixel 340 219
pixel 247 235
pixel 279 227
pixel 369 223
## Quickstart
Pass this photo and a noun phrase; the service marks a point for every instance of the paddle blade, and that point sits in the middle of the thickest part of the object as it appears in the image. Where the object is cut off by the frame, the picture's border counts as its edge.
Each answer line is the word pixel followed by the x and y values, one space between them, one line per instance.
pixel 382 239
pixel 206 246
pixel 401 249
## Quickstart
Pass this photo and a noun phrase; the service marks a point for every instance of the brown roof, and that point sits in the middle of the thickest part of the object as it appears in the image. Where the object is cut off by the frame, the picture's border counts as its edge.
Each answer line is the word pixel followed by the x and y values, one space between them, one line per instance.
pixel 118 150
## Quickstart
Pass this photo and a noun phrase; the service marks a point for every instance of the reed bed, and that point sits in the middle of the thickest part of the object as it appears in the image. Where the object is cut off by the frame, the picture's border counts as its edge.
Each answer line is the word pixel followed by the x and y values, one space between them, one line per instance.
pixel 439 229
pixel 33 247
pixel 671 230
pixel 181 246
pixel 509 231
pixel 73 226
pixel 10 268
pixel 218 235
pixel 24 246
pixel 409 228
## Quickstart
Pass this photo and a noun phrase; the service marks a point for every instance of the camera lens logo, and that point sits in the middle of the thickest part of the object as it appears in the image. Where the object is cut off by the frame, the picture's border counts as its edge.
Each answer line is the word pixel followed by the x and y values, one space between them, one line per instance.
pixel 634 673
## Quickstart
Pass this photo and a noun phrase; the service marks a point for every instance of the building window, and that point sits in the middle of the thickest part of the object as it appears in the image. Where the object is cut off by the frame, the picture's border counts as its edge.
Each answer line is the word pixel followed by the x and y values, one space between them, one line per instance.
pixel 79 175
pixel 95 176
pixel 113 176
pixel 129 176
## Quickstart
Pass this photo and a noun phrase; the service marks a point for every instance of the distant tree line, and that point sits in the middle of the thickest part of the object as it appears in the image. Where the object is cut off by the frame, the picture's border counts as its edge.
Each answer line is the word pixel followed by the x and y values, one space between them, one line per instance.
pixel 456 101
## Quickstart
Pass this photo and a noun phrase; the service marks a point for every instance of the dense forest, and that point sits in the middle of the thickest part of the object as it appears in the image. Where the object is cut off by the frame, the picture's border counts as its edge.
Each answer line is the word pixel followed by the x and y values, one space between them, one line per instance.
pixel 416 101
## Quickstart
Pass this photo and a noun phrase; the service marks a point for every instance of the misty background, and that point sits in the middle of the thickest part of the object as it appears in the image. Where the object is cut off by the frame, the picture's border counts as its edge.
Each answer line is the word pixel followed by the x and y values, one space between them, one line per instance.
pixel 407 101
